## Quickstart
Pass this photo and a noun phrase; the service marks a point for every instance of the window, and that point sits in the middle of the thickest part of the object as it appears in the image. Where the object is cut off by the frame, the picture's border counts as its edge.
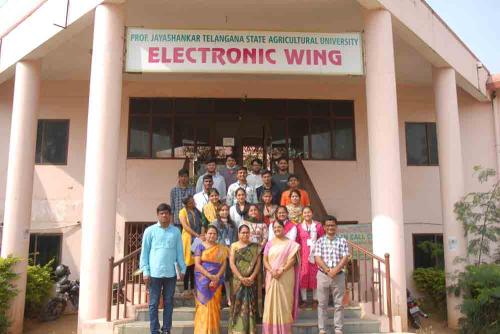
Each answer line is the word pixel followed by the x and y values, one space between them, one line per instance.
pixel 52 142
pixel 44 248
pixel 188 127
pixel 421 144
pixel 428 251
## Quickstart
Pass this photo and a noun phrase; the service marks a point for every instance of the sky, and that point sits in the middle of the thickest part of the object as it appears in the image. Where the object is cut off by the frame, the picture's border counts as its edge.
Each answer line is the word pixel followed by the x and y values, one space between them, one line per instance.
pixel 477 23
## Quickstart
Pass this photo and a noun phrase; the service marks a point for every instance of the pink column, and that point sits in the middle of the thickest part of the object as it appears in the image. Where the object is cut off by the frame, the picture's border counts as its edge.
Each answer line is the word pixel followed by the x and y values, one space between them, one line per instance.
pixel 19 192
pixel 451 176
pixel 384 154
pixel 99 198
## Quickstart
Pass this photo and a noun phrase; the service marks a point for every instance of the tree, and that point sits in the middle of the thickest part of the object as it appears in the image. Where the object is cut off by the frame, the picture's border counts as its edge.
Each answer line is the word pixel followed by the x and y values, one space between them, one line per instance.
pixel 479 213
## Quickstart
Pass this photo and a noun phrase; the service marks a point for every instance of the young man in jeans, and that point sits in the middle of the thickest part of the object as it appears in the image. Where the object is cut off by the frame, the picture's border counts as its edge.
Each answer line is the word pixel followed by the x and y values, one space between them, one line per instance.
pixel 161 251
pixel 331 254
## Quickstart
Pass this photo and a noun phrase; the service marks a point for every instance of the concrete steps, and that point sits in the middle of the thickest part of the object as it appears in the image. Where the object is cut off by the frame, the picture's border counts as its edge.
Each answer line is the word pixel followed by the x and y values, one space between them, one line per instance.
pixel 187 314
pixel 301 326
pixel 306 324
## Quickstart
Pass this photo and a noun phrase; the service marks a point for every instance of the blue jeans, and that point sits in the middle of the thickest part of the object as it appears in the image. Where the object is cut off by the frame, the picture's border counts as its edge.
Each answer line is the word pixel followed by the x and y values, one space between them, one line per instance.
pixel 156 285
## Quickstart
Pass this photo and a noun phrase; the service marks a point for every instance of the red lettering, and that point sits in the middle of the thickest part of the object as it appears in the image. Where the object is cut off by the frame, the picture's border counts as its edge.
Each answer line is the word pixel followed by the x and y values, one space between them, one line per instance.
pixel 188 55
pixel 308 57
pixel 164 58
pixel 335 57
pixel 294 57
pixel 249 54
pixel 261 56
pixel 203 54
pixel 270 59
pixel 218 54
pixel 153 55
pixel 233 55
pixel 178 55
pixel 319 55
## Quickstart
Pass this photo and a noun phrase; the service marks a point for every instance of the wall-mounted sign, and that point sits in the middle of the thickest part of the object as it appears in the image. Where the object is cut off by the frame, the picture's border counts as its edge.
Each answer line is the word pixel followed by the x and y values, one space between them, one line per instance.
pixel 360 234
pixel 150 50
pixel 228 141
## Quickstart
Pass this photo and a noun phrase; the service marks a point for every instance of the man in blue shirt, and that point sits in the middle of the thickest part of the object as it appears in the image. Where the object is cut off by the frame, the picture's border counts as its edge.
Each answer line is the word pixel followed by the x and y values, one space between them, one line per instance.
pixel 161 253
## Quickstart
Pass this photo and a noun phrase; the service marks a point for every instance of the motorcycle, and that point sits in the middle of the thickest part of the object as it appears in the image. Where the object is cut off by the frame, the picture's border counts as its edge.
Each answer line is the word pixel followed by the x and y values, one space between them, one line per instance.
pixel 66 291
pixel 414 311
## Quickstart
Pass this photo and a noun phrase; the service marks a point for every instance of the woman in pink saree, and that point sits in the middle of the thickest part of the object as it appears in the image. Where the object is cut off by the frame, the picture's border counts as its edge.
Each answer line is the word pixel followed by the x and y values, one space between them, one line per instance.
pixel 281 260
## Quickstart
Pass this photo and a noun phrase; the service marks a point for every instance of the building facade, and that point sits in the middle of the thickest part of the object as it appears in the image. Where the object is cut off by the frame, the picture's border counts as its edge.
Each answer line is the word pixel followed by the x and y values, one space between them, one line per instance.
pixel 90 147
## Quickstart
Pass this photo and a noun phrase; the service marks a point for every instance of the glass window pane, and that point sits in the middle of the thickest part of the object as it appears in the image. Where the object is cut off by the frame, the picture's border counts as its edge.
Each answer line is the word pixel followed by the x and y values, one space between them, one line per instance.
pixel 278 140
pixel 55 142
pixel 432 141
pixel 162 139
pixel 298 132
pixel 319 108
pixel 225 129
pixel 203 148
pixel 184 138
pixel 139 137
pixel 161 106
pixel 343 108
pixel 298 108
pixel 321 140
pixel 49 248
pixel 39 141
pixel 140 106
pixel 344 140
pixel 416 144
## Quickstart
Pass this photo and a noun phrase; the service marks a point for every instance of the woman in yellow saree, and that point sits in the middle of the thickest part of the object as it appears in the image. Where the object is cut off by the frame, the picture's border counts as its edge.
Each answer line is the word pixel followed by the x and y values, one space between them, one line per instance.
pixel 210 265
pixel 282 283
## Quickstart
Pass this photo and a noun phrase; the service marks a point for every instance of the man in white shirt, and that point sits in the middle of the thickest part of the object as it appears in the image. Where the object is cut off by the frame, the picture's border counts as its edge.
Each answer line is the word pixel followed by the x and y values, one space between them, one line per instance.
pixel 254 178
pixel 241 183
pixel 201 198
pixel 218 180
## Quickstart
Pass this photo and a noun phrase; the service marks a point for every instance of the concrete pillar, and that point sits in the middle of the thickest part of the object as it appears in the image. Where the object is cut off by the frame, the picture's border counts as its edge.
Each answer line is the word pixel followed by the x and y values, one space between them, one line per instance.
pixel 384 154
pixel 99 198
pixel 496 120
pixel 19 192
pixel 451 176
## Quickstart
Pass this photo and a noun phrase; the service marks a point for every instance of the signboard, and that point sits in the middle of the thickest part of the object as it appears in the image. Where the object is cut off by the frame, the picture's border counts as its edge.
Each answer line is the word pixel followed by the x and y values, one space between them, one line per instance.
pixel 152 50
pixel 360 234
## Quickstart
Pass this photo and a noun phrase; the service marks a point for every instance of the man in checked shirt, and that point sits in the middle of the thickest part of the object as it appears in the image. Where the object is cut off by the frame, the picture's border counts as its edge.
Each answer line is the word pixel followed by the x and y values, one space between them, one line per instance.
pixel 331 255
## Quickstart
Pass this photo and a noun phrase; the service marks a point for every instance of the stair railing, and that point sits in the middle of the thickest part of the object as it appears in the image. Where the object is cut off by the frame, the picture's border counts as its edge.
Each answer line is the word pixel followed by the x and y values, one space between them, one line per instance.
pixel 367 275
pixel 123 275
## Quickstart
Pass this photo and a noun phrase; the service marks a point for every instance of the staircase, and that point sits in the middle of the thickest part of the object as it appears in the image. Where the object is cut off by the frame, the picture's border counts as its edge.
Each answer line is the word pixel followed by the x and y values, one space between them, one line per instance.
pixel 307 322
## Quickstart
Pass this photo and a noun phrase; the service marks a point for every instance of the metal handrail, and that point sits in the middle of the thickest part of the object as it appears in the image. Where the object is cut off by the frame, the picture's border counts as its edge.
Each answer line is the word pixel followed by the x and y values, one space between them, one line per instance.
pixel 372 278
pixel 127 267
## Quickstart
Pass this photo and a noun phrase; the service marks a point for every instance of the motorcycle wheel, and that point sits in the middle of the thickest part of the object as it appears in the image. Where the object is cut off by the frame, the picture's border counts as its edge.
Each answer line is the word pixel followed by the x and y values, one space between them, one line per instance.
pixel 53 310
pixel 415 321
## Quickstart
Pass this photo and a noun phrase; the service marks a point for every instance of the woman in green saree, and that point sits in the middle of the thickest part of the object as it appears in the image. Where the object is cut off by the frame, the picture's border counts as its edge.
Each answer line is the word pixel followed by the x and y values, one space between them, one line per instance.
pixel 245 262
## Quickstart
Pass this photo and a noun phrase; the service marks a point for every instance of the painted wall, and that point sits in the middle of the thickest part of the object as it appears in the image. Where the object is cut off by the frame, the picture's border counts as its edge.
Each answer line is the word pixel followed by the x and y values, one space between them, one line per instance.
pixel 343 186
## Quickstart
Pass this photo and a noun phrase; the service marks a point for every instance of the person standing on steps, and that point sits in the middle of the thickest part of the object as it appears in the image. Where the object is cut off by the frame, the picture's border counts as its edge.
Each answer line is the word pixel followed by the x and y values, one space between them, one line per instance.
pixel 179 193
pixel 331 254
pixel 229 171
pixel 293 184
pixel 218 180
pixel 161 252
pixel 241 183
pixel 254 178
pixel 281 176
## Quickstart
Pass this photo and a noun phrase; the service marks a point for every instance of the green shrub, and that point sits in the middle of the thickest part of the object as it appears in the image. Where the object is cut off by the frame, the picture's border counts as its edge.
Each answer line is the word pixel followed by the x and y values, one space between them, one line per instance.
pixel 431 283
pixel 7 289
pixel 38 288
pixel 480 288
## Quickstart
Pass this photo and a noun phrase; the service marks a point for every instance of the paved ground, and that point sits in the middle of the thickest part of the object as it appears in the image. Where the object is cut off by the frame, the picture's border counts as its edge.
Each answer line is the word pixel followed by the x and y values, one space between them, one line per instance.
pixel 64 325
pixel 431 326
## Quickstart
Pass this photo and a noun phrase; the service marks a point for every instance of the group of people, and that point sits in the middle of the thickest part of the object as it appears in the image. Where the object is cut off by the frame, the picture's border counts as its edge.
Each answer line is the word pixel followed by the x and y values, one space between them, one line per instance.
pixel 252 235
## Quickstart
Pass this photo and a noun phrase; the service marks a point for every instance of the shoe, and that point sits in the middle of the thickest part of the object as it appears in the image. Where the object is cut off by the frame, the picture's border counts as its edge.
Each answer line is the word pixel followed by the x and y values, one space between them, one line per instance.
pixel 314 304
pixel 322 331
